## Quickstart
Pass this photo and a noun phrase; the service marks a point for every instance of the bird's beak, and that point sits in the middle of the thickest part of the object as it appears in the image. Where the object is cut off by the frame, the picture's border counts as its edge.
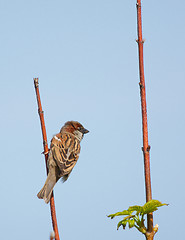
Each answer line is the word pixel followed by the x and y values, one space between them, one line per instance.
pixel 84 131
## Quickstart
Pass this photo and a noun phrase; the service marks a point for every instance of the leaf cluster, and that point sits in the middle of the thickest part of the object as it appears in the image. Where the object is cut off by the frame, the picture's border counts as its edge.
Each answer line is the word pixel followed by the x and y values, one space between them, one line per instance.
pixel 134 215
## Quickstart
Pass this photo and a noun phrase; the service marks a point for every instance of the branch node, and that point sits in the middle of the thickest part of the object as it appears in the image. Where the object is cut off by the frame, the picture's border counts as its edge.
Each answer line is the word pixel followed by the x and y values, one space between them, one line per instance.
pixel 138 5
pixel 148 148
pixel 45 142
pixel 52 235
pixel 36 82
pixel 45 153
pixel 40 112
pixel 141 42
pixel 156 227
pixel 141 85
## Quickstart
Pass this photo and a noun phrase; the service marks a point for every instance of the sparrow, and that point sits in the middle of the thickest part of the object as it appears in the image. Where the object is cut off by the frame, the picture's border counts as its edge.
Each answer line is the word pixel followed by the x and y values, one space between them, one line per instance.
pixel 63 155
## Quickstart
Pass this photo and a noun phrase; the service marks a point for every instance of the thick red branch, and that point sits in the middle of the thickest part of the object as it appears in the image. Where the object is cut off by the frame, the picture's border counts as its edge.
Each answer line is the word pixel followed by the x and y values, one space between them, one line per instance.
pixel 45 144
pixel 146 147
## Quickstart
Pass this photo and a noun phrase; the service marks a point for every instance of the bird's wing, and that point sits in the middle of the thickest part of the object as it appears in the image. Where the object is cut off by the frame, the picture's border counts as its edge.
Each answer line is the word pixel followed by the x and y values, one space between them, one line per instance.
pixel 65 151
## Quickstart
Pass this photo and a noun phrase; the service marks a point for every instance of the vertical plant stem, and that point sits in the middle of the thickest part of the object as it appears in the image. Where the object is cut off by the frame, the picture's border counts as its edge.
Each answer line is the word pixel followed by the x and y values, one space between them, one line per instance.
pixel 146 147
pixel 46 150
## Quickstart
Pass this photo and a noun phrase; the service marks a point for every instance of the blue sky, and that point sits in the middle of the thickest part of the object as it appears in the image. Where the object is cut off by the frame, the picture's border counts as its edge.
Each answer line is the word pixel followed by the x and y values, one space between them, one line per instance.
pixel 86 58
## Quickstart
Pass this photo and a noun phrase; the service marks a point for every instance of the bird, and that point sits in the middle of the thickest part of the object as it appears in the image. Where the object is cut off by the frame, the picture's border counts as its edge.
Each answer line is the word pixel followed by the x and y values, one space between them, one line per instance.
pixel 63 155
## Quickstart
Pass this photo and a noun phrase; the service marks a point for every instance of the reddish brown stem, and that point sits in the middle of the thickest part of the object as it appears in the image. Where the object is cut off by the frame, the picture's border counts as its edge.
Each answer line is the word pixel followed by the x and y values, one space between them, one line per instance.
pixel 45 144
pixel 146 147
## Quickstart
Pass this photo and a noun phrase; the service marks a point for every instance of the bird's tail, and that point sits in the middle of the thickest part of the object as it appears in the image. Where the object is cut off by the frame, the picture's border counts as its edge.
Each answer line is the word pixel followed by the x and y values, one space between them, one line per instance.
pixel 46 191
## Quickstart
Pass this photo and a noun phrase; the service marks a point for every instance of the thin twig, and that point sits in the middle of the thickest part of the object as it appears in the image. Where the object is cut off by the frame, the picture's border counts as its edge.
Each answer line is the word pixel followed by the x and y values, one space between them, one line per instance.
pixel 45 144
pixel 146 147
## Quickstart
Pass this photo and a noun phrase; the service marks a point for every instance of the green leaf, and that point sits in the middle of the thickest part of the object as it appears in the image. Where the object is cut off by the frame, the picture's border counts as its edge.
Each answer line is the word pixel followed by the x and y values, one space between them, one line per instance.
pixel 139 222
pixel 131 223
pixel 136 208
pixel 125 212
pixel 143 230
pixel 152 206
pixel 122 223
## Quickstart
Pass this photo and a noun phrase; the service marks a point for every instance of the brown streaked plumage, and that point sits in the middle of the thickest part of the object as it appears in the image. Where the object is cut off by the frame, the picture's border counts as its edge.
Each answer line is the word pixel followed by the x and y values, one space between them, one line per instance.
pixel 63 155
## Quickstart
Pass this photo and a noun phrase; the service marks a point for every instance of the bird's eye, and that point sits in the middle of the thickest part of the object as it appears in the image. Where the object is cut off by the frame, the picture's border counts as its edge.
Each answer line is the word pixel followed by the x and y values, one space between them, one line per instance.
pixel 80 129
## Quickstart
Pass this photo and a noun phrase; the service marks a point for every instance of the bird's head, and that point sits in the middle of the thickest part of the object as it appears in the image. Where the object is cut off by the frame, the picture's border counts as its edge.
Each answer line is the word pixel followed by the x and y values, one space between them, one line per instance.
pixel 75 128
